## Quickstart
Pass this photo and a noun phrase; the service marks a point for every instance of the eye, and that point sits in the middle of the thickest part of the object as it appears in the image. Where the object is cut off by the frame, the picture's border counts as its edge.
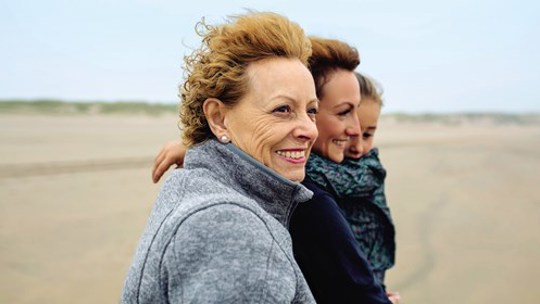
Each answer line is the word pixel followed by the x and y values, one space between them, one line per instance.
pixel 312 112
pixel 282 109
pixel 367 135
pixel 345 112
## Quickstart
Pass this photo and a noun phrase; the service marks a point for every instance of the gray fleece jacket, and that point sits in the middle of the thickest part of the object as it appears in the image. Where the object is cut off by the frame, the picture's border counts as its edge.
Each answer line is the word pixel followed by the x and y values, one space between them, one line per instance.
pixel 218 234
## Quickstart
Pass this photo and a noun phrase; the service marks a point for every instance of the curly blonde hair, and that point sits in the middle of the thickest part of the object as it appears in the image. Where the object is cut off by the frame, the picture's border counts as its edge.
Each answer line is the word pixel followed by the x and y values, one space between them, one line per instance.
pixel 218 68
pixel 328 56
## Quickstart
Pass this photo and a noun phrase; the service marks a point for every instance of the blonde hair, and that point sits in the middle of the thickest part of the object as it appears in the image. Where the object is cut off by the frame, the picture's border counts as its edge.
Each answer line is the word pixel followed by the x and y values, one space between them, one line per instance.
pixel 329 55
pixel 218 68
pixel 369 89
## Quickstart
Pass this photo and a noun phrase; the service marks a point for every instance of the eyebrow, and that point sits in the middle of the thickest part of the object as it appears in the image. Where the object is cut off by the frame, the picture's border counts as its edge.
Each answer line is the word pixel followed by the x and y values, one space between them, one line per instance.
pixel 314 100
pixel 346 102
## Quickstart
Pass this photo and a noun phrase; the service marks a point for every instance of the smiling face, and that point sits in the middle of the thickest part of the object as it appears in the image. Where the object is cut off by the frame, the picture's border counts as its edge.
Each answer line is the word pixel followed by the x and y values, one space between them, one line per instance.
pixel 368 114
pixel 275 121
pixel 337 121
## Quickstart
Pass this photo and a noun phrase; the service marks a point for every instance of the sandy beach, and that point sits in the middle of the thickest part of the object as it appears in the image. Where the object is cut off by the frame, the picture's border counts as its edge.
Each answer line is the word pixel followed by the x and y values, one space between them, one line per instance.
pixel 75 193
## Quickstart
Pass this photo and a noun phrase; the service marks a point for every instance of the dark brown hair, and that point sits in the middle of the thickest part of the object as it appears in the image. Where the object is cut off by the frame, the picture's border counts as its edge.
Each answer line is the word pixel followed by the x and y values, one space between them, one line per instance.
pixel 329 55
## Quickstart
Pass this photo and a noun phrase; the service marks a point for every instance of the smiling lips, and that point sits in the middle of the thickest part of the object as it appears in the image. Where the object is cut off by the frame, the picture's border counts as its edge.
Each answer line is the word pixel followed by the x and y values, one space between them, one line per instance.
pixel 340 142
pixel 355 154
pixel 295 156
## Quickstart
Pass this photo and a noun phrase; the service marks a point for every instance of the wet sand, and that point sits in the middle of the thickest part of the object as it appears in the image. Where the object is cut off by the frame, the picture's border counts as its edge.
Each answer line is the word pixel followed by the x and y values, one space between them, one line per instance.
pixel 75 192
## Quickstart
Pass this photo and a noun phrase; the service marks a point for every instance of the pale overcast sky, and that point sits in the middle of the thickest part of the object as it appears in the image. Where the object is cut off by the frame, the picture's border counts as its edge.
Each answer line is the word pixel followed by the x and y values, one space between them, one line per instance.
pixel 429 56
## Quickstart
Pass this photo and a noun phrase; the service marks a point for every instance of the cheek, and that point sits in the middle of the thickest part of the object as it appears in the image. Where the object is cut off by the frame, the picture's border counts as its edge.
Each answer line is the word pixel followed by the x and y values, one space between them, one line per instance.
pixel 322 127
pixel 368 144
pixel 329 128
pixel 255 138
pixel 270 135
pixel 263 137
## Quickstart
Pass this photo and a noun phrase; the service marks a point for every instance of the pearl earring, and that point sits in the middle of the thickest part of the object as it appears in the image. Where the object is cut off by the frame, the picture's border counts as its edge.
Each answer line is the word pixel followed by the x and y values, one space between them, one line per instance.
pixel 224 139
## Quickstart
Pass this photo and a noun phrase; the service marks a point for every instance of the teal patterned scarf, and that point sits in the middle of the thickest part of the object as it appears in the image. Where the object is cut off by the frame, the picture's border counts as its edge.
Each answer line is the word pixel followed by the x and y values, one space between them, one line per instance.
pixel 351 178
pixel 358 188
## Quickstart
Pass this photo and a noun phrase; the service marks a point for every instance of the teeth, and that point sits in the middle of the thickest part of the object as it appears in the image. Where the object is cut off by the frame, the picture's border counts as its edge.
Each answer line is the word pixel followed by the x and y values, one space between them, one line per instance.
pixel 340 142
pixel 294 154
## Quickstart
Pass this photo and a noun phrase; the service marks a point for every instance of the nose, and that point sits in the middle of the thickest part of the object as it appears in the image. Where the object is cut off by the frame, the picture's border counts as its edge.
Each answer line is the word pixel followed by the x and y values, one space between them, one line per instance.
pixel 356 147
pixel 353 126
pixel 306 129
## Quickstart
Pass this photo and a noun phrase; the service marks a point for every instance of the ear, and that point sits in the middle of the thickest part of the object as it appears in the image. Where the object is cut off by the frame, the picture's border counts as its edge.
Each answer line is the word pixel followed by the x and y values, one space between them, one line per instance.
pixel 214 111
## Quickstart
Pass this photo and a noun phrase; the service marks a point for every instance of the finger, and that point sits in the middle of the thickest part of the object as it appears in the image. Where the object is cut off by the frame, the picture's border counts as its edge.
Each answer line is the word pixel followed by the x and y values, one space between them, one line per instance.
pixel 179 162
pixel 157 162
pixel 162 168
pixel 158 172
pixel 159 158
pixel 394 298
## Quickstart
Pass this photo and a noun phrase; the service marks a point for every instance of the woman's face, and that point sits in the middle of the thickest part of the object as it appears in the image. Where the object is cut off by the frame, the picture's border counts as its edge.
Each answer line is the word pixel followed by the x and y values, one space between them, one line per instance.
pixel 275 121
pixel 337 121
pixel 368 114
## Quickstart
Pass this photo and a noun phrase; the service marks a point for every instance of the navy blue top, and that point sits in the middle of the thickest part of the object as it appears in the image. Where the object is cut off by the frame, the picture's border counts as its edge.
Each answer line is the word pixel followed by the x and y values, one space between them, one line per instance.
pixel 328 254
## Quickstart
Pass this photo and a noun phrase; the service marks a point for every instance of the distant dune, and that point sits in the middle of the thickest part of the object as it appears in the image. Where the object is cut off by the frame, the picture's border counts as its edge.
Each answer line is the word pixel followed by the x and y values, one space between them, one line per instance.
pixel 481 118
pixel 59 107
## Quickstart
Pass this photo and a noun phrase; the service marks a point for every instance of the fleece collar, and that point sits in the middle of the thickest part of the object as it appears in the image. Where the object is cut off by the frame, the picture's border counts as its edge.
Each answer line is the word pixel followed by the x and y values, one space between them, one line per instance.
pixel 231 166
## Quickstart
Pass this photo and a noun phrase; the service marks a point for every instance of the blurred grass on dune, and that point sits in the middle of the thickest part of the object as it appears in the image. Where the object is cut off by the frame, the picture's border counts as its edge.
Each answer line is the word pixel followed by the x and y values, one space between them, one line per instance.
pixel 59 107
pixel 496 118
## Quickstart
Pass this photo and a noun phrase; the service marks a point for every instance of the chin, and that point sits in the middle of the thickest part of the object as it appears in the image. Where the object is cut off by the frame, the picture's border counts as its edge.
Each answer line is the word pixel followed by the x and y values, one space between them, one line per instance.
pixel 337 158
pixel 354 155
pixel 298 177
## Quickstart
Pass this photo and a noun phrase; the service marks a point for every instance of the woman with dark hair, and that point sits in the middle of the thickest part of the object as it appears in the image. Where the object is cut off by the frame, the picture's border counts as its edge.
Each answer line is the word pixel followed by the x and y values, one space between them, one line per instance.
pixel 325 247
pixel 331 242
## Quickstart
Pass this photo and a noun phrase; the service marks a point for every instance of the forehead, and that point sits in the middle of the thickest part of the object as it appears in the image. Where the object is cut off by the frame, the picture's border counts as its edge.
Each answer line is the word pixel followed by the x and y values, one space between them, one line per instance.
pixel 273 67
pixel 369 105
pixel 276 76
pixel 368 112
pixel 342 86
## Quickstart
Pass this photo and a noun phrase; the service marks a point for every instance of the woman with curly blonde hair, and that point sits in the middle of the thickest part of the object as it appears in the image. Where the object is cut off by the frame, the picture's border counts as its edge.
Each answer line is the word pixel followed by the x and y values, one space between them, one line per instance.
pixel 218 231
